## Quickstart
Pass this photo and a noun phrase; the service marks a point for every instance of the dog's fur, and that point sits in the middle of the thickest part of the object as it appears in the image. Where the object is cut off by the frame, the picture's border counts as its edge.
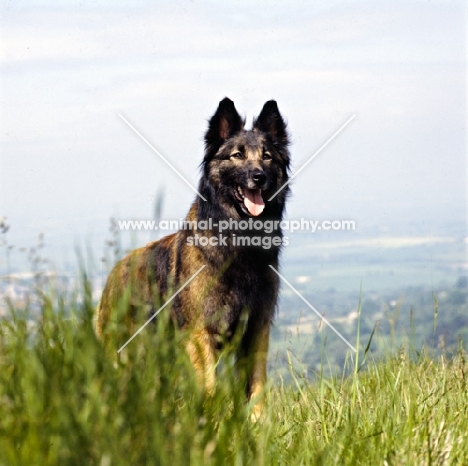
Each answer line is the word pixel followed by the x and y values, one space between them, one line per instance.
pixel 236 280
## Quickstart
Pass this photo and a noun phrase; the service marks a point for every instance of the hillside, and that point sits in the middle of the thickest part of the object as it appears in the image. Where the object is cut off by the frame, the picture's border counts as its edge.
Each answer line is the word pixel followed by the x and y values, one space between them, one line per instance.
pixel 411 317
pixel 67 400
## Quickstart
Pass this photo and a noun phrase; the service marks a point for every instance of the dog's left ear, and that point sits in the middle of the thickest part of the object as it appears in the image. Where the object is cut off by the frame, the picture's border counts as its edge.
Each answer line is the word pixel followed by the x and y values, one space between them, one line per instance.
pixel 271 122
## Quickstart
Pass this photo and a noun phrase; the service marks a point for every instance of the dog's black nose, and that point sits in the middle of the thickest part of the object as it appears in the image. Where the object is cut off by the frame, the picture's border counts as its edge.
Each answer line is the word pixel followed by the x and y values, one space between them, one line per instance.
pixel 259 177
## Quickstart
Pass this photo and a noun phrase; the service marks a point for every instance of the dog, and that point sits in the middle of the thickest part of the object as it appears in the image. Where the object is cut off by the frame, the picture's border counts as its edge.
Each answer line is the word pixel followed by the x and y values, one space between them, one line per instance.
pixel 236 291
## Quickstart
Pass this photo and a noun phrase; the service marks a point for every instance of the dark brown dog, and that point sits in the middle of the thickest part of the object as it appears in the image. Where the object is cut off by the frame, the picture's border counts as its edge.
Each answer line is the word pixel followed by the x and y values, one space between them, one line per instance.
pixel 242 169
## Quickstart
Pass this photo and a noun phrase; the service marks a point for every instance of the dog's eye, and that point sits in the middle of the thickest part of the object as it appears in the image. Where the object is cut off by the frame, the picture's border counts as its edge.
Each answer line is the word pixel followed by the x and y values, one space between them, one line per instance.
pixel 237 155
pixel 266 156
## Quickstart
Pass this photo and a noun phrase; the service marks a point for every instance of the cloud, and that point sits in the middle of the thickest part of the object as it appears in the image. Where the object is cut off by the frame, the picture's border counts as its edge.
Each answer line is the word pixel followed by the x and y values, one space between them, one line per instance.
pixel 359 31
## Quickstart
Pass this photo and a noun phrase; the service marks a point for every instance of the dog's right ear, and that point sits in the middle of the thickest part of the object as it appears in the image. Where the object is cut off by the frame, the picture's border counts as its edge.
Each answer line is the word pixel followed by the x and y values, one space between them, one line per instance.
pixel 223 124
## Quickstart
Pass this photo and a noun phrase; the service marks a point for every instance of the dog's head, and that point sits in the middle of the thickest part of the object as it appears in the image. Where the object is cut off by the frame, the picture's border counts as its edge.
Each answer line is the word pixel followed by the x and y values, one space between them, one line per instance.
pixel 244 168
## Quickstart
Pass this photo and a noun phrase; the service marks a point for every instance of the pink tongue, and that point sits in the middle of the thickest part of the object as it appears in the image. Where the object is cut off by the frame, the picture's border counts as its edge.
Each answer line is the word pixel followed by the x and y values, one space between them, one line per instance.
pixel 253 201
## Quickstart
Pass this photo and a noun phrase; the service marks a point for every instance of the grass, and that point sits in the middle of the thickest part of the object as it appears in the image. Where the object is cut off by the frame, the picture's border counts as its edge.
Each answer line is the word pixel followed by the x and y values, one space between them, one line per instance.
pixel 65 399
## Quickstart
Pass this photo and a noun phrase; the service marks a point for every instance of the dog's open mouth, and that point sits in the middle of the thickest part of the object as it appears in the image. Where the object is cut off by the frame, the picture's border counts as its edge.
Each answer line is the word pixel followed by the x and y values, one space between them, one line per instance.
pixel 251 200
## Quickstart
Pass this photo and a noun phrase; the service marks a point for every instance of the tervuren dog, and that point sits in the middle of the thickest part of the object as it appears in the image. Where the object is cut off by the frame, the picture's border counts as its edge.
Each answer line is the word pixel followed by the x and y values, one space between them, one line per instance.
pixel 241 170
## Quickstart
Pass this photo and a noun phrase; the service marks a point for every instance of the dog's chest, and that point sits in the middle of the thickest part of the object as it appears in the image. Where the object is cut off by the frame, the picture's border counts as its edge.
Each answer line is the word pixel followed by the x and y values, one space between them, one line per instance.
pixel 243 291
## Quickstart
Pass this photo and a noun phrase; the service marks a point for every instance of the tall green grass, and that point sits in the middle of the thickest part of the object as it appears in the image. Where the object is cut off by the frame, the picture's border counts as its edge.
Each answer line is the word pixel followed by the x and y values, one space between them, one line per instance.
pixel 66 399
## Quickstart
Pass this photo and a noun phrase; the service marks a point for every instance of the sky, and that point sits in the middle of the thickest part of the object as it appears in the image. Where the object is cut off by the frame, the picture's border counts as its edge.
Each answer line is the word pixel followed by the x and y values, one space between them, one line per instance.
pixel 68 162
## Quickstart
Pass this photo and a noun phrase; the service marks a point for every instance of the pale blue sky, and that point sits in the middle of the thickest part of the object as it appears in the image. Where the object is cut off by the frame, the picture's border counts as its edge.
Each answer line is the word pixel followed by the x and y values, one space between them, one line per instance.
pixel 68 163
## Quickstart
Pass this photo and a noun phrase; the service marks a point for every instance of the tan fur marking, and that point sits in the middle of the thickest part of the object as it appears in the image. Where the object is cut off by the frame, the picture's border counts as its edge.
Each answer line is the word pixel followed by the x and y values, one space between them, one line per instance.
pixel 258 376
pixel 203 358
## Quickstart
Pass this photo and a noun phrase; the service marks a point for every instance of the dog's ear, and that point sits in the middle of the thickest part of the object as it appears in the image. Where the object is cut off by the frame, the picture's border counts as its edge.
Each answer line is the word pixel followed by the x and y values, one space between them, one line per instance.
pixel 271 123
pixel 223 124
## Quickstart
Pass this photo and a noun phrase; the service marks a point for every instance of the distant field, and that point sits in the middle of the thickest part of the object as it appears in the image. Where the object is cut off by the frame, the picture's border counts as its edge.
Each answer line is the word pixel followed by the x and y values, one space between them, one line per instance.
pixel 380 262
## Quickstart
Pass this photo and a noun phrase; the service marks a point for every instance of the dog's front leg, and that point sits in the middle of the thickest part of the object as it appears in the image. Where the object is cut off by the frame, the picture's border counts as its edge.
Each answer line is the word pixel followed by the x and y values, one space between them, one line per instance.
pixel 202 355
pixel 257 373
